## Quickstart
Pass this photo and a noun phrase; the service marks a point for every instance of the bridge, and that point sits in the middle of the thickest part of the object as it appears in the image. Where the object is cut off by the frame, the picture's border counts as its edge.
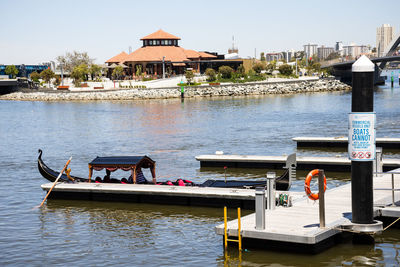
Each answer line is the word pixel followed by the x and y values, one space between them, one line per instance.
pixel 342 70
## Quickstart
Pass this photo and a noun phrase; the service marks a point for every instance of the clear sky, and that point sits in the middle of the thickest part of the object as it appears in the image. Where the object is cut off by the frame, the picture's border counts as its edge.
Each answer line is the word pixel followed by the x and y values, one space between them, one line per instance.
pixel 38 31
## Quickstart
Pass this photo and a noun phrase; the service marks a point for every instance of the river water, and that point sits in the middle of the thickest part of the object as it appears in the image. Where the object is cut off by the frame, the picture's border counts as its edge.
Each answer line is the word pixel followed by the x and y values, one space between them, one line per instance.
pixel 172 133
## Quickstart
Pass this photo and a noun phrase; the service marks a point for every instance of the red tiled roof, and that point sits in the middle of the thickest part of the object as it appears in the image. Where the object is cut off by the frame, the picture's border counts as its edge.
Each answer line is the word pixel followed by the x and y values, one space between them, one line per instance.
pixel 192 54
pixel 206 55
pixel 156 53
pixel 171 53
pixel 160 34
pixel 118 58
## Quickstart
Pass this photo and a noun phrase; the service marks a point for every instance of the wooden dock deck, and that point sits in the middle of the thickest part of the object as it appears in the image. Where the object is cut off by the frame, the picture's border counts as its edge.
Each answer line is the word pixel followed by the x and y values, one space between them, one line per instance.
pixel 299 225
pixel 278 162
pixel 342 141
pixel 157 194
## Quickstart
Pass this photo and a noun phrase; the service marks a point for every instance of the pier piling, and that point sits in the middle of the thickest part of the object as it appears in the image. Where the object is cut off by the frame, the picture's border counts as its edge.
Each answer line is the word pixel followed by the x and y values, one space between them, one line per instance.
pixel 362 107
pixel 260 208
pixel 321 194
pixel 271 190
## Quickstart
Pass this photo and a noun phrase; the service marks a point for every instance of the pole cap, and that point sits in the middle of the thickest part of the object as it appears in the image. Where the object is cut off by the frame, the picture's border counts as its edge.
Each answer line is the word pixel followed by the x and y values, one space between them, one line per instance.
pixel 363 64
pixel 271 175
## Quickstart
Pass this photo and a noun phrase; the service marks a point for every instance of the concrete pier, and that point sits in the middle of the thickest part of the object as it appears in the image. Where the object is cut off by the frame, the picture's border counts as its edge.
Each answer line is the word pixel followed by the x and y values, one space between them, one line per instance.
pixel 341 141
pixel 157 194
pixel 297 227
pixel 278 162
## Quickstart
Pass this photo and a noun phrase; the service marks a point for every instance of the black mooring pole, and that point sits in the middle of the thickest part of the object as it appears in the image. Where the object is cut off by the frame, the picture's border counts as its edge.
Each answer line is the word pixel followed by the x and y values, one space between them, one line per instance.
pixel 361 171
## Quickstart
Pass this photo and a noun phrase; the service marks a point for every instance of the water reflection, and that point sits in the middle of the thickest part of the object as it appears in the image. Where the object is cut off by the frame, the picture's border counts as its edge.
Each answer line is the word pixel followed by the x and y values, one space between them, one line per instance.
pixel 172 133
pixel 165 232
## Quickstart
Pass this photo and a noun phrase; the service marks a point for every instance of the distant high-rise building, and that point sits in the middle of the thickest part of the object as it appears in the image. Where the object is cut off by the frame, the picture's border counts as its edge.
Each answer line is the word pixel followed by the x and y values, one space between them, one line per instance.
pixel 273 56
pixel 323 52
pixel 384 36
pixel 310 50
pixel 354 50
pixel 339 47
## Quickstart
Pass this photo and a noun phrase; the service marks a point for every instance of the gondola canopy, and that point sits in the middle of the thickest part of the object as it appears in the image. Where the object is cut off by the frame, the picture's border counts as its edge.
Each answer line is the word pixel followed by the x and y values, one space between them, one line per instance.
pixel 126 163
pixel 121 162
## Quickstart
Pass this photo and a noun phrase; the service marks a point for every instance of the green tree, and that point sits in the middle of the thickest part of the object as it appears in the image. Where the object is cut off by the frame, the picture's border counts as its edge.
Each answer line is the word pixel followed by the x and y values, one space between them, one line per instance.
pixel 95 71
pixel 285 69
pixel 74 59
pixel 11 70
pixel 35 76
pixel 225 71
pixel 117 72
pixel 189 76
pixel 79 74
pixel 211 74
pixel 262 56
pixel 47 75
pixel 258 67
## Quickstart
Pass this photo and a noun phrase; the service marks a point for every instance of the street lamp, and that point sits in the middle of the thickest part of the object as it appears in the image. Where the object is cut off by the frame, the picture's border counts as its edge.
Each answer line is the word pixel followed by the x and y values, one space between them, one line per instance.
pixel 62 75
pixel 163 67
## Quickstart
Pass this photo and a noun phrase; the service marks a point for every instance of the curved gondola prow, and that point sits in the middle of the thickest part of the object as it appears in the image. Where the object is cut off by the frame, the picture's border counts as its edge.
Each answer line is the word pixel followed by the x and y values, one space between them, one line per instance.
pixel 52 175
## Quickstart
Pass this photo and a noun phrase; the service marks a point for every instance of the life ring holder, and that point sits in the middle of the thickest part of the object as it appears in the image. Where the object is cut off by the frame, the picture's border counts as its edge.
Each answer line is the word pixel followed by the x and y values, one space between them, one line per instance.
pixel 311 195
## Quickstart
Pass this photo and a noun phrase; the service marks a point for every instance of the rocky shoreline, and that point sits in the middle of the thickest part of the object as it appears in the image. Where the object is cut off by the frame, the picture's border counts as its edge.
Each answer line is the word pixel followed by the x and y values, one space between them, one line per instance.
pixel 260 88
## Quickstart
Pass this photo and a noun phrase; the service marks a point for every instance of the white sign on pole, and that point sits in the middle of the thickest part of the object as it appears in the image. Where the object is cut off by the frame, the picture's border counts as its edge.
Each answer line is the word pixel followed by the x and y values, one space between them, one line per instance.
pixel 362 136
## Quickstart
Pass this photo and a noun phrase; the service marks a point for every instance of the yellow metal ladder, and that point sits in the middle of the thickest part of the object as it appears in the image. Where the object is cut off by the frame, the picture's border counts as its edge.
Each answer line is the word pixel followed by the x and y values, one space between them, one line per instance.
pixel 239 240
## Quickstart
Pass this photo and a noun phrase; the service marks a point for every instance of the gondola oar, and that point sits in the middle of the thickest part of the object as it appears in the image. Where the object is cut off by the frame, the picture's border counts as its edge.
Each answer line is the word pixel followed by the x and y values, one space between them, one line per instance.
pixel 55 182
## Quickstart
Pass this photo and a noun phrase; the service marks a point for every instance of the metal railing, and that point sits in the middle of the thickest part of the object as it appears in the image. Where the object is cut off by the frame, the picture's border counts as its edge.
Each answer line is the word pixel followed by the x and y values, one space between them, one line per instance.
pixel 392 189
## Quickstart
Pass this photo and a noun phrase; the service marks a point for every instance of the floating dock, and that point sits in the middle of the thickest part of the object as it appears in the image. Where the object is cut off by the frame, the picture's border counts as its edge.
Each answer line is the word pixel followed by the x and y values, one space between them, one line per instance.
pixel 297 227
pixel 342 141
pixel 278 162
pixel 157 194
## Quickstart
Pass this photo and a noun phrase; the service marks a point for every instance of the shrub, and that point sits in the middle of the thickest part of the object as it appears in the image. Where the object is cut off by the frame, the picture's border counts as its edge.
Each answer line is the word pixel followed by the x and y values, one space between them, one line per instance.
pixel 211 75
pixel 271 67
pixel 317 67
pixel 251 72
pixel 145 79
pixel 258 67
pixel 241 70
pixel 285 69
pixel 225 71
pixel 189 76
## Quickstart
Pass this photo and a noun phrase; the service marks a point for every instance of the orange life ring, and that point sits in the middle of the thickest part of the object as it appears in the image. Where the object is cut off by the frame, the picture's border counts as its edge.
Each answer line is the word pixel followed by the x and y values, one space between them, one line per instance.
pixel 311 195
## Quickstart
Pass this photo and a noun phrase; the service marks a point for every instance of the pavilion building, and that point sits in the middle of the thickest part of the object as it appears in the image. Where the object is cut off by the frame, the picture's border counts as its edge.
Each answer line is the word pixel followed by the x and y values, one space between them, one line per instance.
pixel 162 49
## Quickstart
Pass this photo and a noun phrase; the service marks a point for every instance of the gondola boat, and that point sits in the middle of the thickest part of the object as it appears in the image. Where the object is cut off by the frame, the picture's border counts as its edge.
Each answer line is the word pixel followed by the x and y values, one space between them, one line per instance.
pixel 133 163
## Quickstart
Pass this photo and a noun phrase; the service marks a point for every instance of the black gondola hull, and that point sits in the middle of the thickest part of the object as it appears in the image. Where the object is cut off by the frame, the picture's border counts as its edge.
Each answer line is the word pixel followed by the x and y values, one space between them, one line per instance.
pixel 282 183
